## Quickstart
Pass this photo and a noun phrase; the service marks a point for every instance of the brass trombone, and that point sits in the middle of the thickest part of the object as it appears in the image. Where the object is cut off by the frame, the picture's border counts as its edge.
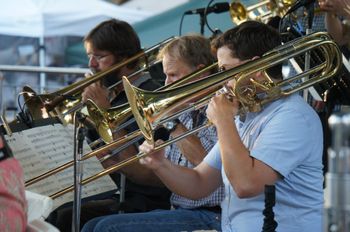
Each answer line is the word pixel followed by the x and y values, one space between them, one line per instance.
pixel 107 121
pixel 150 108
pixel 42 105
pixel 261 11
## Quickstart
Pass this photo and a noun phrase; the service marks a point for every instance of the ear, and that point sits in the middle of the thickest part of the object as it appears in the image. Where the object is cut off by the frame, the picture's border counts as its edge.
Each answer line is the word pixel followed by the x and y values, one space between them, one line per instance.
pixel 258 75
pixel 200 66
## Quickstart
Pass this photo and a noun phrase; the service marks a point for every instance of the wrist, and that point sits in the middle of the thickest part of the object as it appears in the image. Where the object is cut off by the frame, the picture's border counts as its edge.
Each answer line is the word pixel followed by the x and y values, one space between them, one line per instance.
pixel 161 167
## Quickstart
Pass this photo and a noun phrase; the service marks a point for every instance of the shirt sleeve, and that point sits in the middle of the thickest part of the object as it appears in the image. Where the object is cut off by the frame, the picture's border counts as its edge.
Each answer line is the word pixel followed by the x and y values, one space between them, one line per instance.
pixel 213 159
pixel 284 141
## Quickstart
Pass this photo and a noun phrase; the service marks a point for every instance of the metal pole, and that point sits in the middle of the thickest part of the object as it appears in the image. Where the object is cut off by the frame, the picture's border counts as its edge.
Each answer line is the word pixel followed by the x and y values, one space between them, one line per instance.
pixel 36 69
pixel 78 170
pixel 337 198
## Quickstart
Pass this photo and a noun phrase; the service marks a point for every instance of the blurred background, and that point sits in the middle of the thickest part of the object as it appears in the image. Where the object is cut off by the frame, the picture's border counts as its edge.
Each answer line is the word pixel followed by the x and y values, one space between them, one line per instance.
pixel 48 33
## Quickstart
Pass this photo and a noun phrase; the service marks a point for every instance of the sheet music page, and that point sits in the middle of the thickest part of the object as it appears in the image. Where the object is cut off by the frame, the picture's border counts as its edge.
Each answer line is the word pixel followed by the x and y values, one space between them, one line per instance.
pixel 44 148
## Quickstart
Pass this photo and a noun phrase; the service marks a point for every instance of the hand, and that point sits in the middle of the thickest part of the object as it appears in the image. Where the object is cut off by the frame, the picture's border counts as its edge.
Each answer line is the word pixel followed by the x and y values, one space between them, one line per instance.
pixel 337 7
pixel 89 74
pixel 98 94
pixel 155 159
pixel 221 109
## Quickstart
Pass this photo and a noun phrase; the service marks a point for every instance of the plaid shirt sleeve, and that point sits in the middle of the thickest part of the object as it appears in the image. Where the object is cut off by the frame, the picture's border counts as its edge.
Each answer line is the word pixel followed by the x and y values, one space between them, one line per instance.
pixel 208 138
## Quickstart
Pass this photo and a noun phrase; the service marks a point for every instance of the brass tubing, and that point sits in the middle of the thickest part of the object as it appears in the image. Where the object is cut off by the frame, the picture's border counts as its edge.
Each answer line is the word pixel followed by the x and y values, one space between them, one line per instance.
pixel 150 107
pixel 127 162
pixel 123 140
pixel 87 156
pixel 80 85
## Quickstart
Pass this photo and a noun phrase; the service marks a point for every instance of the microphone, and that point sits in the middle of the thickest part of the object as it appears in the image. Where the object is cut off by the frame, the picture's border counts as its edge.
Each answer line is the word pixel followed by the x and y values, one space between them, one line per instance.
pixel 299 4
pixel 216 8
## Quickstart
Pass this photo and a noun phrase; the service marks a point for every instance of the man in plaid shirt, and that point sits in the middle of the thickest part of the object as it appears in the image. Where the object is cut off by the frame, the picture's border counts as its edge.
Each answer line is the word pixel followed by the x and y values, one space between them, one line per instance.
pixel 180 57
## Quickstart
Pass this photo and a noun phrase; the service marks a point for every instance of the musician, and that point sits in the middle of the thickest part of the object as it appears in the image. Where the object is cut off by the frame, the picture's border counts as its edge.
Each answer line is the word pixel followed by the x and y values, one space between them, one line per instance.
pixel 180 57
pixel 281 145
pixel 13 205
pixel 338 28
pixel 109 43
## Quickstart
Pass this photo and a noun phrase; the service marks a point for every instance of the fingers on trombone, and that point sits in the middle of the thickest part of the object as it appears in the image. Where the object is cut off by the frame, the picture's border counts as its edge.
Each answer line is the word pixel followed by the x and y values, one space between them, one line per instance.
pixel 146 147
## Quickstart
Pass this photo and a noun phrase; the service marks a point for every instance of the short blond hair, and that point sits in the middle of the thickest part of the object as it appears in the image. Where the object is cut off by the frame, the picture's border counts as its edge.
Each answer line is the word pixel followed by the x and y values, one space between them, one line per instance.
pixel 192 49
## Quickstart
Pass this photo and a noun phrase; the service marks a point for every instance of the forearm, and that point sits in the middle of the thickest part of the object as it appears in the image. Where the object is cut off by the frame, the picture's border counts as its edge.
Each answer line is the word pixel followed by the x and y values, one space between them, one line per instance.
pixel 183 181
pixel 237 163
pixel 135 171
pixel 335 28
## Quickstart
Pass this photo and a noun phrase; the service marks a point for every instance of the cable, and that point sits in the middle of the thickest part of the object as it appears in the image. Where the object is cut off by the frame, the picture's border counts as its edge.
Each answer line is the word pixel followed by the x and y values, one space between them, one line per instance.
pixel 205 16
pixel 181 21
pixel 24 115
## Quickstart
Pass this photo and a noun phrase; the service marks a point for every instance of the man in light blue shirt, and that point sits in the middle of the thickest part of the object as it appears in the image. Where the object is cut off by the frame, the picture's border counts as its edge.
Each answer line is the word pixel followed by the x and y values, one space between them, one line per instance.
pixel 290 143
pixel 280 145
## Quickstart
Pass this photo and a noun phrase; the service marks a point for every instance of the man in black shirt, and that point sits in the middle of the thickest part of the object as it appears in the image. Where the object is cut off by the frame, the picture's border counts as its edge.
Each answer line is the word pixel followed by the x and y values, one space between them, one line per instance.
pixel 109 43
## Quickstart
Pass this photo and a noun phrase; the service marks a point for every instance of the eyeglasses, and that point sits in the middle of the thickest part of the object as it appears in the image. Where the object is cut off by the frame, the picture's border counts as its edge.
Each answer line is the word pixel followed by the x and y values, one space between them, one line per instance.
pixel 98 58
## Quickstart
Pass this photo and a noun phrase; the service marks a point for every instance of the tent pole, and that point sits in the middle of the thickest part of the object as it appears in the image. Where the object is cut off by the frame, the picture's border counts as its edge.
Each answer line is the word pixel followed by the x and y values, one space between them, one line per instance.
pixel 42 63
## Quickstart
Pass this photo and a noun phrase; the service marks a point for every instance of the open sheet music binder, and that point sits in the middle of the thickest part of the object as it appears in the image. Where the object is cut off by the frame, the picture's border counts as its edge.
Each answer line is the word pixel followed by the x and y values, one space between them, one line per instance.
pixel 45 145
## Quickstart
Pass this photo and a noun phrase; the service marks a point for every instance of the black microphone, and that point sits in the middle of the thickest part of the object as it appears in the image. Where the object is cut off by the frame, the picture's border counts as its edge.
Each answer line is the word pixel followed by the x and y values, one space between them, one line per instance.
pixel 216 8
pixel 299 4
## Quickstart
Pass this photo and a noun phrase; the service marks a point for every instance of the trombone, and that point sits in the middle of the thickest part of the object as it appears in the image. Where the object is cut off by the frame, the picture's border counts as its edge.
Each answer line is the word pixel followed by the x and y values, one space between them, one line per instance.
pixel 261 11
pixel 41 105
pixel 106 121
pixel 149 107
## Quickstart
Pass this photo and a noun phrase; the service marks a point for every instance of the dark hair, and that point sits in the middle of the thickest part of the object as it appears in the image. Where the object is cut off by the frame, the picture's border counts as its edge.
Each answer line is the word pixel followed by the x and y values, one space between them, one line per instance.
pixel 115 36
pixel 250 39
pixel 193 49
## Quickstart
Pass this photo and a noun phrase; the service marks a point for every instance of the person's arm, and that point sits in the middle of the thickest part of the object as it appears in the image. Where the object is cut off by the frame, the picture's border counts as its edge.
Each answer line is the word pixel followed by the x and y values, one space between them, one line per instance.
pixel 191 146
pixel 98 94
pixel 247 175
pixel 135 172
pixel 13 216
pixel 191 183
pixel 334 25
pixel 335 28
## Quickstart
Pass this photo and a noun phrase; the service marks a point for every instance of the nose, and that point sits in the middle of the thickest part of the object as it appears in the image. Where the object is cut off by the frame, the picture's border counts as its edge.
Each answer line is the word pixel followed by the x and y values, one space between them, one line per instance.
pixel 93 62
pixel 169 80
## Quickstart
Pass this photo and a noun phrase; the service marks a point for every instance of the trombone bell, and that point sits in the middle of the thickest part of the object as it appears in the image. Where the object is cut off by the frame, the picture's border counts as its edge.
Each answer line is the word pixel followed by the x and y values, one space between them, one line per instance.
pixel 107 120
pixel 137 110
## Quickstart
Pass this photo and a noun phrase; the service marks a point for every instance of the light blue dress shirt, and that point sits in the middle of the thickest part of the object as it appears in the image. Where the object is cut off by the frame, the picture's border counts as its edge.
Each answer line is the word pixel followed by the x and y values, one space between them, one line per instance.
pixel 287 136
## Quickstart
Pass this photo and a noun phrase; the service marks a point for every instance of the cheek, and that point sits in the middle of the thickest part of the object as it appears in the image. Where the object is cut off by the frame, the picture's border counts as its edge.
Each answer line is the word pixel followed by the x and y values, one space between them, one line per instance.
pixel 105 65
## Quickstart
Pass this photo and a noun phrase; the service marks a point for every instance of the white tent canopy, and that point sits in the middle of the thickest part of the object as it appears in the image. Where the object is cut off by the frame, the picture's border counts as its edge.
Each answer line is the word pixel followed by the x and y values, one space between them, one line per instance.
pixel 51 18
pixel 41 18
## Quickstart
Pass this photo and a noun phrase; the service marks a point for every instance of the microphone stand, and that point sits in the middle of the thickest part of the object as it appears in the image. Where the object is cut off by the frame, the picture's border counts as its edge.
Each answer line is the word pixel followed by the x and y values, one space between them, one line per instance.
pixel 78 168
pixel 202 19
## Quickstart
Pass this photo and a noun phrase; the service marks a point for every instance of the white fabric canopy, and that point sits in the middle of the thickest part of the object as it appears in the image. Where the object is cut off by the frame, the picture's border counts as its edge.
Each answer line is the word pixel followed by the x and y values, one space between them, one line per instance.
pixel 50 18
pixel 42 18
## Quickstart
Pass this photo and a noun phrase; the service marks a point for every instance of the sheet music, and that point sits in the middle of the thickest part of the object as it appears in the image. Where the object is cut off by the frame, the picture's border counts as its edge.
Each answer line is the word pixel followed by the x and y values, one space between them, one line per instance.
pixel 44 148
